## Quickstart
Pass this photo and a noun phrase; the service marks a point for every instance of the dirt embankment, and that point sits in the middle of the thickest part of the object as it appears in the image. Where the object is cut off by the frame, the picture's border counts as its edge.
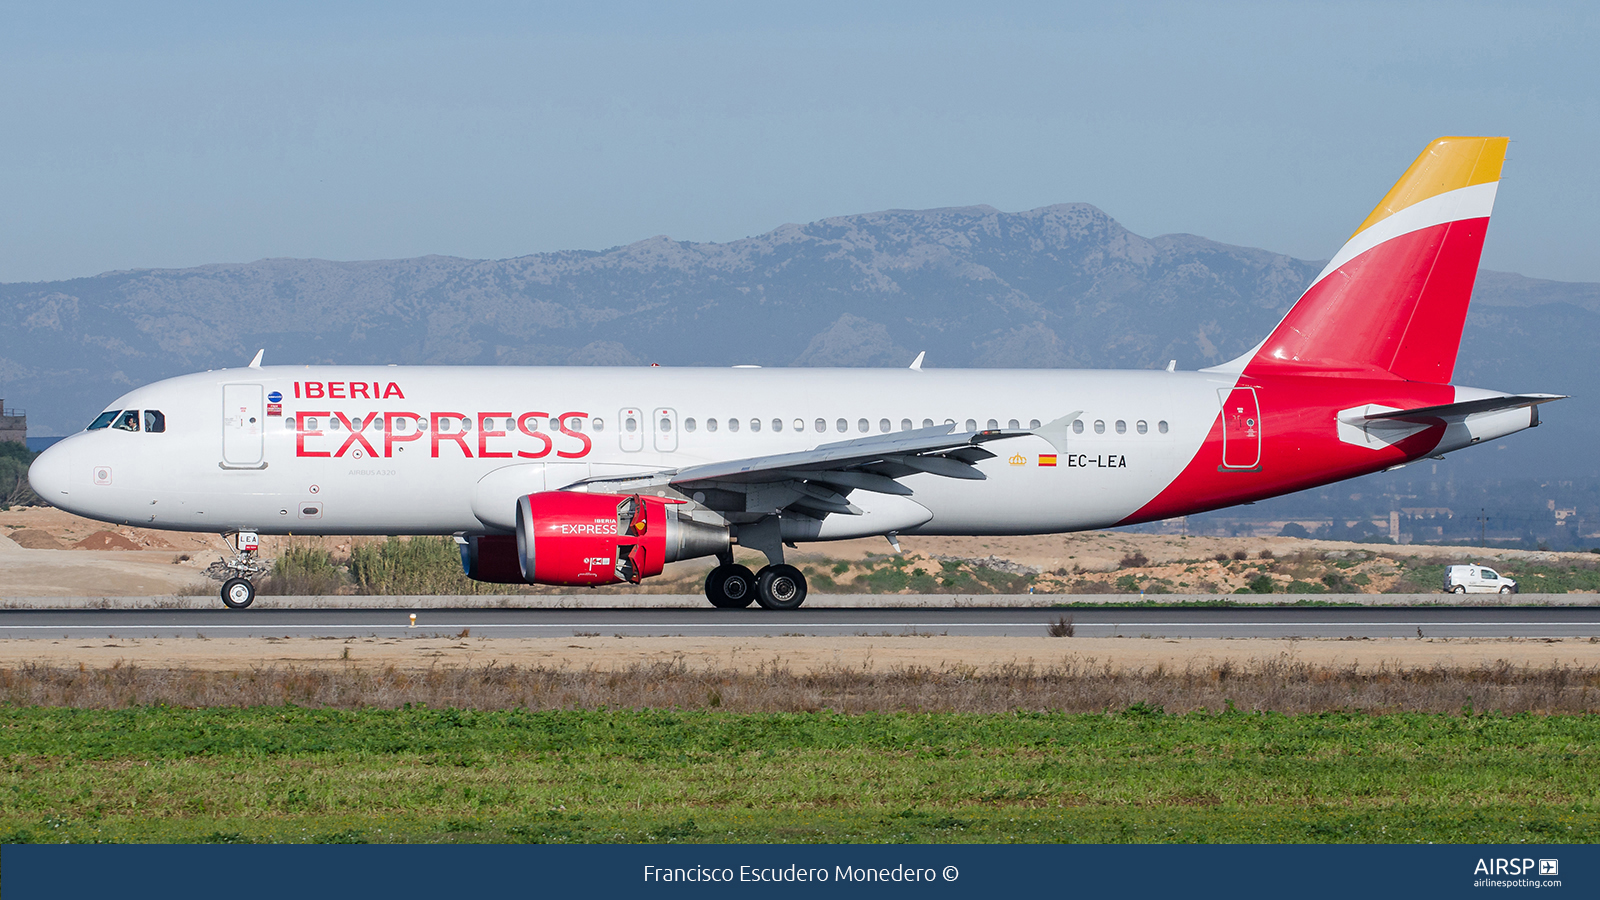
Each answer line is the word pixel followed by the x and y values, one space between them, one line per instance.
pixel 50 553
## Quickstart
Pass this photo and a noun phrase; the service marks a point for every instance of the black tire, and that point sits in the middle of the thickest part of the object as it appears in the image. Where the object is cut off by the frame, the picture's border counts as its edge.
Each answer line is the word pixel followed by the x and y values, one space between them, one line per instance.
pixel 1505 588
pixel 780 587
pixel 731 587
pixel 1459 589
pixel 238 593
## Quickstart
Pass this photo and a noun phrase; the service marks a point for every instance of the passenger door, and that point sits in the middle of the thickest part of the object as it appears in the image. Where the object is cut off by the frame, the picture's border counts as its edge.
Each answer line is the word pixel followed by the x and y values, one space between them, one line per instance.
pixel 664 425
pixel 1241 429
pixel 630 429
pixel 242 426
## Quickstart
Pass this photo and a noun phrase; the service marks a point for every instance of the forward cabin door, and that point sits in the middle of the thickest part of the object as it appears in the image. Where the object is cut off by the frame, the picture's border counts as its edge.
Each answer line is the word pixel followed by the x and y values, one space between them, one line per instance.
pixel 242 425
pixel 1241 429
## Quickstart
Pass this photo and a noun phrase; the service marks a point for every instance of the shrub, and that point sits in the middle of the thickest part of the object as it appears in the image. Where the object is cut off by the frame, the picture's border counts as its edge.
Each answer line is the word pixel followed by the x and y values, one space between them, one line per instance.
pixel 1135 560
pixel 303 571
pixel 419 565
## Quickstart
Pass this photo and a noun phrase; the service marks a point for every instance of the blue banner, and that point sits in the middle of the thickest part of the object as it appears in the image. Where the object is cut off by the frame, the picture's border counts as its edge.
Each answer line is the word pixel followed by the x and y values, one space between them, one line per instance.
pixel 393 872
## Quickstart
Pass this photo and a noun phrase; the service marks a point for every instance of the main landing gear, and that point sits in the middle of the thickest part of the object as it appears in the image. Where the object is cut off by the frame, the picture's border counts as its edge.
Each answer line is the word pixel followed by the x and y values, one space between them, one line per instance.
pixel 774 587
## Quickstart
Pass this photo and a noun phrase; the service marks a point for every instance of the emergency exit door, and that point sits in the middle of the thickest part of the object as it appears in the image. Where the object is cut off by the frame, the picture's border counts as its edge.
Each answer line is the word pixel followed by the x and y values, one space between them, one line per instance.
pixel 1241 429
pixel 242 425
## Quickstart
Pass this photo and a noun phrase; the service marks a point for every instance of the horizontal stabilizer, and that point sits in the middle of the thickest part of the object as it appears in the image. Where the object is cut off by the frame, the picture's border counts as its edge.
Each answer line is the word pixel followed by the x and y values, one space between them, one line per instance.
pixel 1462 410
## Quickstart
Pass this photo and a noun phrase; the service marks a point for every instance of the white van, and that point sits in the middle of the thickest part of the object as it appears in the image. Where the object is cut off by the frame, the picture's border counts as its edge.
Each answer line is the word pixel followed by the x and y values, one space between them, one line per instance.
pixel 1476 579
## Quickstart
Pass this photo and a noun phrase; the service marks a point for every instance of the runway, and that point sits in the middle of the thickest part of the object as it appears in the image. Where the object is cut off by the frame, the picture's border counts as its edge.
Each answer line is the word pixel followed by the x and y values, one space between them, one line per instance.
pixel 1431 622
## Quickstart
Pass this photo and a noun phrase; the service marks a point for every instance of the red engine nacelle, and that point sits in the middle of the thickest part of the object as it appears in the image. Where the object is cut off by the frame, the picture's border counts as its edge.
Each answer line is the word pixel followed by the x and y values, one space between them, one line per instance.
pixel 565 537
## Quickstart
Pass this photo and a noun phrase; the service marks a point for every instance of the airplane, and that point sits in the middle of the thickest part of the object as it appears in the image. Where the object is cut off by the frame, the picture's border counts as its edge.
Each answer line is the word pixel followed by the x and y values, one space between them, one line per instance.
pixel 591 476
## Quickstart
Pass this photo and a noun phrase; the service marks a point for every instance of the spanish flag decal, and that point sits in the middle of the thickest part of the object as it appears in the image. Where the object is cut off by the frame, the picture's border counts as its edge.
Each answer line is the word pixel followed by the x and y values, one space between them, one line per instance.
pixel 1047 459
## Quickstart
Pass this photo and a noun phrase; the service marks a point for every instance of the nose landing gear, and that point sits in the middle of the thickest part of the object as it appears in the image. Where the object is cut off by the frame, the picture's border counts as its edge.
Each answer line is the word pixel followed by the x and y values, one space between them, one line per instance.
pixel 236 573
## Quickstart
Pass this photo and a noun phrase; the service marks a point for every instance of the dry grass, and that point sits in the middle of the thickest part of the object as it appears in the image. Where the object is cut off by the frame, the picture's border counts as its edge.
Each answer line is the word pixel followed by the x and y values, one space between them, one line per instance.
pixel 1284 686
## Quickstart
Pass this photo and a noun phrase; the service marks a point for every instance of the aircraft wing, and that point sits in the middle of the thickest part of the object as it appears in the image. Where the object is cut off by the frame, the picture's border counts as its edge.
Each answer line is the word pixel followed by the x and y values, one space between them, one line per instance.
pixel 817 481
pixel 1428 414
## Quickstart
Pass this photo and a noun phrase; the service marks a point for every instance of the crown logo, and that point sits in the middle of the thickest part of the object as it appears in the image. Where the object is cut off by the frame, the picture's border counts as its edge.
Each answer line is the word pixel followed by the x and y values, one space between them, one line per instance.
pixel 1018 460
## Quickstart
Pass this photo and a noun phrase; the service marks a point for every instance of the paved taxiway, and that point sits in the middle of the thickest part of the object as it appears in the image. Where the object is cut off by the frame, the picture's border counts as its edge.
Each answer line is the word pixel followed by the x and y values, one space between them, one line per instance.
pixel 1473 622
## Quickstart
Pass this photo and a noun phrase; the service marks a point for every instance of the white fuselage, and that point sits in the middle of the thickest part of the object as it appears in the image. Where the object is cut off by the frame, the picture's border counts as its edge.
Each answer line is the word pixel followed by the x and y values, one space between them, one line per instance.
pixel 299 469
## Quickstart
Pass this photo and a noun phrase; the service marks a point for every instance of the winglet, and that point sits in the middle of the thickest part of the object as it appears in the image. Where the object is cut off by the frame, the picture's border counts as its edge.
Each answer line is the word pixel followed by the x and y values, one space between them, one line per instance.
pixel 256 363
pixel 916 364
pixel 1056 432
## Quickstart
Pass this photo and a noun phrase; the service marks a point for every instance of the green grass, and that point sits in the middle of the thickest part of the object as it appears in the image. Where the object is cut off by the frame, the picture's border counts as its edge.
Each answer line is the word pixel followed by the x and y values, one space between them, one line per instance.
pixel 284 773
pixel 1560 578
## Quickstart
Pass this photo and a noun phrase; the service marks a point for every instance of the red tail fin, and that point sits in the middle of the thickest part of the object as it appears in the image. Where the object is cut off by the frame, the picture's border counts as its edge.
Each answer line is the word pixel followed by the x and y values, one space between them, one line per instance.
pixel 1395 297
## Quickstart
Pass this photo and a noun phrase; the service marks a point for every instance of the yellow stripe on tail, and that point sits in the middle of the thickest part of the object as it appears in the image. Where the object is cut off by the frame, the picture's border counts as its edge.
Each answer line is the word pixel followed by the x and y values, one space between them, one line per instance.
pixel 1448 163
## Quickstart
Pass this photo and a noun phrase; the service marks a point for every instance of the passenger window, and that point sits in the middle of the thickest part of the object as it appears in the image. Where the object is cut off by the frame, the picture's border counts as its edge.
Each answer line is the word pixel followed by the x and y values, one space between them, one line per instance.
pixel 1033 423
pixel 377 423
pixel 128 421
pixel 1099 426
pixel 555 424
pixel 1077 426
pixel 711 424
pixel 154 421
pixel 799 424
pixel 597 423
pixel 862 425
pixel 311 423
pixel 630 425
pixel 949 421
pixel 822 425
pixel 1013 424
pixel 466 424
pixel 883 425
pixel 1161 426
pixel 666 424
pixel 444 425
pixel 733 424
pixel 972 424
pixel 1122 427
pixel 841 426
pixel 777 424
pixel 1141 426
pixel 905 424
pixel 333 423
pixel 927 423
pixel 755 424
pixel 533 425
pixel 688 425
pixel 102 420
pixel 288 423
pixel 992 425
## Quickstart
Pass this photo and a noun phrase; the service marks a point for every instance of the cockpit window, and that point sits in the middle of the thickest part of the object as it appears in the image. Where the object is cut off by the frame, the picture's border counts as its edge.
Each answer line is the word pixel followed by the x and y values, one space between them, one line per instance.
pixel 128 421
pixel 155 421
pixel 103 420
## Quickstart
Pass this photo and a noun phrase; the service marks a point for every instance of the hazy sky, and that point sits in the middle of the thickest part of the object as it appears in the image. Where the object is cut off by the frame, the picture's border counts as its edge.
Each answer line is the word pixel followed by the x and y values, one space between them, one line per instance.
pixel 158 135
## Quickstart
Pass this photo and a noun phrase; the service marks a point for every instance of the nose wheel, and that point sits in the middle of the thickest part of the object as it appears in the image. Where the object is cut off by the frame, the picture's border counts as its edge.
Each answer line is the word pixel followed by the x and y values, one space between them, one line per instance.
pixel 238 593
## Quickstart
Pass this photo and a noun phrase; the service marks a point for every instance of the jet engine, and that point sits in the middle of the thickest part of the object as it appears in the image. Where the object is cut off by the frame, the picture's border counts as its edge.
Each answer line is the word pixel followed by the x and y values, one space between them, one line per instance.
pixel 566 537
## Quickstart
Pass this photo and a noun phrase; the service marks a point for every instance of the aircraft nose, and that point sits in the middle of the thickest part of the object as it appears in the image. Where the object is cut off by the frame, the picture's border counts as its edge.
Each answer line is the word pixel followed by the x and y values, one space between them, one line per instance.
pixel 50 474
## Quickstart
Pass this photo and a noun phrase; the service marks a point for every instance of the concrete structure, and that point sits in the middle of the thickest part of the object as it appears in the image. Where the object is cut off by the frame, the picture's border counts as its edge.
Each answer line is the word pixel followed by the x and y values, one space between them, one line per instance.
pixel 13 424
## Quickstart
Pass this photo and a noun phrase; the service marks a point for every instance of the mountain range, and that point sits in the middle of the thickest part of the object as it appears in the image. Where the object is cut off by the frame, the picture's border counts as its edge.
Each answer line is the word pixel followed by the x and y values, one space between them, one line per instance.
pixel 1059 286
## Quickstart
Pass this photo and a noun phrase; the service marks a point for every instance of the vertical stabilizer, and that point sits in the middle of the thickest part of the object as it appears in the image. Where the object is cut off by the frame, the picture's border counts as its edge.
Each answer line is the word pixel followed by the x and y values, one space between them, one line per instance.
pixel 1394 299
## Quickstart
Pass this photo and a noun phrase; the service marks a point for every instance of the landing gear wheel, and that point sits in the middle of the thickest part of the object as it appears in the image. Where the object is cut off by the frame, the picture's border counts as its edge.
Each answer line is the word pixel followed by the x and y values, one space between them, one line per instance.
pixel 238 593
pixel 780 587
pixel 731 587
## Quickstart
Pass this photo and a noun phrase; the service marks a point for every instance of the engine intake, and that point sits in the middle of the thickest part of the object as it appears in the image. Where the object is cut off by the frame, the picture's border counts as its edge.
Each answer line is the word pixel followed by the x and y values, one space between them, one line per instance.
pixel 571 538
